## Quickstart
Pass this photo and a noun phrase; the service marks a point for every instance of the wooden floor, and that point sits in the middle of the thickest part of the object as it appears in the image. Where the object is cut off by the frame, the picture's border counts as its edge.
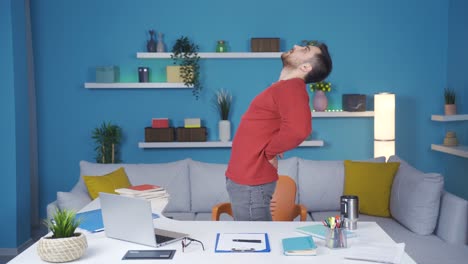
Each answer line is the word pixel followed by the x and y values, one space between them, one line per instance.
pixel 36 234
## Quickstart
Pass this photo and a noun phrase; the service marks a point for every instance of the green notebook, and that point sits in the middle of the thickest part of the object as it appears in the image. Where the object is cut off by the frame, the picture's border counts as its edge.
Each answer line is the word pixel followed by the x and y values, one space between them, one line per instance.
pixel 299 246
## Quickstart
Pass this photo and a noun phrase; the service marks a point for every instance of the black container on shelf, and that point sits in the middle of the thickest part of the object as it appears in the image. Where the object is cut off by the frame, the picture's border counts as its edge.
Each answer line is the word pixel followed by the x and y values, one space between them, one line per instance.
pixel 354 102
pixel 143 74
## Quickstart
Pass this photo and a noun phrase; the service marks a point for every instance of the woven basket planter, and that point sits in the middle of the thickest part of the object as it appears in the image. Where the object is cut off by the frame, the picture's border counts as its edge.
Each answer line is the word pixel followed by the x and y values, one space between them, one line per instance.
pixel 62 249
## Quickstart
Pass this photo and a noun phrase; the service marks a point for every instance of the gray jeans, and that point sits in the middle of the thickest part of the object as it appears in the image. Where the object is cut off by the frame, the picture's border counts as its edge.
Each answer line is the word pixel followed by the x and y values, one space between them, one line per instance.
pixel 250 203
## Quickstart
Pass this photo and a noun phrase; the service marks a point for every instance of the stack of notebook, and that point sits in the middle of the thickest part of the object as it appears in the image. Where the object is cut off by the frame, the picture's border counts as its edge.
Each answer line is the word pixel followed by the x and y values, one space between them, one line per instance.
pixel 299 246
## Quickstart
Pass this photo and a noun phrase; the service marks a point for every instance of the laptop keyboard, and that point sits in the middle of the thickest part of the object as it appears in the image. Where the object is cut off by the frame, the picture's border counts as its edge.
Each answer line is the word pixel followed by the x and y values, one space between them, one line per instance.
pixel 161 239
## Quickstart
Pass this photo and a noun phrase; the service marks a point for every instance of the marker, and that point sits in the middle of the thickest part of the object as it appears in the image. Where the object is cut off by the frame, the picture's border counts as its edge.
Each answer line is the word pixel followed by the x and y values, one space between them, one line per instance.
pixel 248 240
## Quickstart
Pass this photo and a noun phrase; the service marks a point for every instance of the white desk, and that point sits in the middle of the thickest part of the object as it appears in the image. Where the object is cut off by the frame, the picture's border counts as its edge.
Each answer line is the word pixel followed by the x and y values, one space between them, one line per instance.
pixel 105 250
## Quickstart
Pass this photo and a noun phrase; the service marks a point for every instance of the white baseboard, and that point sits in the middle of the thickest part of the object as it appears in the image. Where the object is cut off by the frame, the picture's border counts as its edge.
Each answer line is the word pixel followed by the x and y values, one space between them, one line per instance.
pixel 16 251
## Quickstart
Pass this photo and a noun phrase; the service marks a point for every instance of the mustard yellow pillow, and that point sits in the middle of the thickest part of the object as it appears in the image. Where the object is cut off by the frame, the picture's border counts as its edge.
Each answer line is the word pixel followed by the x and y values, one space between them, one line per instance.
pixel 372 183
pixel 106 183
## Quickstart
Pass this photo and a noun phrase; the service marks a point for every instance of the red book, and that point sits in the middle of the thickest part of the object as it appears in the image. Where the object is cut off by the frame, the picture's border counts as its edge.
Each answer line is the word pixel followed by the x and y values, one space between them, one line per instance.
pixel 144 187
pixel 160 123
pixel 139 189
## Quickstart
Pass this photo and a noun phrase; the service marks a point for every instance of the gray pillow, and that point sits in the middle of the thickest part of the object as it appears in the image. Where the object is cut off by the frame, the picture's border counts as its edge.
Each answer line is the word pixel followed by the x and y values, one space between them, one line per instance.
pixel 415 198
pixel 72 200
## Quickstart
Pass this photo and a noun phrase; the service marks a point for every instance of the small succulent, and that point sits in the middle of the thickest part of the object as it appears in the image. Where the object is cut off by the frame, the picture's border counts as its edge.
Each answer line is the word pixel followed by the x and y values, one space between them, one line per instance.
pixel 63 223
pixel 450 96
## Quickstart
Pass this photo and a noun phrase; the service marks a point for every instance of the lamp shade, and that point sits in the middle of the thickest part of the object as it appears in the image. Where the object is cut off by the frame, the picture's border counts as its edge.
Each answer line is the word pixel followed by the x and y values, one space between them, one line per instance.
pixel 384 124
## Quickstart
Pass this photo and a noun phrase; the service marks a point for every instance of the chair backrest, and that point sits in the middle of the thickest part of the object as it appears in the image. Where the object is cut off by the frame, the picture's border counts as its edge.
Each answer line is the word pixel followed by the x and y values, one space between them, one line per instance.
pixel 283 202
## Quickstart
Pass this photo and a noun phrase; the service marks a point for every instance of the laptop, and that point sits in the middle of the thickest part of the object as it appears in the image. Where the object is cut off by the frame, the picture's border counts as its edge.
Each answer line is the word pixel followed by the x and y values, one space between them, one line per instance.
pixel 131 219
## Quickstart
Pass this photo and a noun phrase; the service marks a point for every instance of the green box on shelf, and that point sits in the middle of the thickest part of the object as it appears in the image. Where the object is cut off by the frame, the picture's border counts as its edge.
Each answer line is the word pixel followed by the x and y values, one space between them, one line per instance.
pixel 107 74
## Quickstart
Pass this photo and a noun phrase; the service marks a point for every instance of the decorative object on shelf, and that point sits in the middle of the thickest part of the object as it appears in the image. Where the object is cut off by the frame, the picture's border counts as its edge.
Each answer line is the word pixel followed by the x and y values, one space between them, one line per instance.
pixel 450 106
pixel 107 74
pixel 107 139
pixel 184 134
pixel 192 122
pixel 185 54
pixel 160 47
pixel 354 102
pixel 221 46
pixel 160 122
pixel 159 134
pixel 320 101
pixel 384 125
pixel 64 245
pixel 143 74
pixel 151 44
pixel 265 44
pixel 223 101
pixel 173 74
pixel 450 139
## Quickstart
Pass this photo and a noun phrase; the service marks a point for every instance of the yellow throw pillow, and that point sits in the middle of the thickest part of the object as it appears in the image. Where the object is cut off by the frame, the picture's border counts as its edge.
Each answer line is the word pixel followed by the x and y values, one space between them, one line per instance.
pixel 106 183
pixel 372 183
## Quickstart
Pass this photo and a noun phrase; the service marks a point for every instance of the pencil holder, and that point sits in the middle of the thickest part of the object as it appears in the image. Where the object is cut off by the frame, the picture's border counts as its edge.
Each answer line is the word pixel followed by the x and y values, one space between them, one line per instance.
pixel 336 238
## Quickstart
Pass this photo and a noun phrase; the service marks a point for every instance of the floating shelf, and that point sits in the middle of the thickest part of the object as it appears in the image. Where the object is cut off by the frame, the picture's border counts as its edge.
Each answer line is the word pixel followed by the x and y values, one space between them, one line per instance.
pixel 461 151
pixel 342 114
pixel 214 55
pixel 212 144
pixel 146 85
pixel 449 118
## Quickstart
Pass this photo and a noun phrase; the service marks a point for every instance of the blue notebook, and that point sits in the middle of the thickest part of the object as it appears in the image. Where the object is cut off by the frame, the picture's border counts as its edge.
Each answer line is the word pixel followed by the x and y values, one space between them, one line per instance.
pixel 320 231
pixel 92 220
pixel 299 246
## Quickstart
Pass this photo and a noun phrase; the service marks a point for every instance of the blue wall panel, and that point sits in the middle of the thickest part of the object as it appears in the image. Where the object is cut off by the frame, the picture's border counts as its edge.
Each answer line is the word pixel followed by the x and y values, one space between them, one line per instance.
pixel 396 46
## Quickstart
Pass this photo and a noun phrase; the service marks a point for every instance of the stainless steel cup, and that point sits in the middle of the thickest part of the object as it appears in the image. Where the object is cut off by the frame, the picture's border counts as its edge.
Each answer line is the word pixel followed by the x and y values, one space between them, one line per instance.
pixel 349 211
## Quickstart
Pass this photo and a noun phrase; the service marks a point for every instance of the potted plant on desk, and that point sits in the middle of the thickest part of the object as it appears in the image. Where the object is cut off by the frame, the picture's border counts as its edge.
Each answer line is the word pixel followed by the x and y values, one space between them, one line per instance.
pixel 450 106
pixel 64 245
pixel 223 101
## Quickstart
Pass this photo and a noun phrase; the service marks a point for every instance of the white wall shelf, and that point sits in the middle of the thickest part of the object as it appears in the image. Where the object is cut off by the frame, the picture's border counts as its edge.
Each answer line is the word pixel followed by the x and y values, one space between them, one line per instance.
pixel 214 55
pixel 146 85
pixel 449 118
pixel 461 151
pixel 212 144
pixel 342 114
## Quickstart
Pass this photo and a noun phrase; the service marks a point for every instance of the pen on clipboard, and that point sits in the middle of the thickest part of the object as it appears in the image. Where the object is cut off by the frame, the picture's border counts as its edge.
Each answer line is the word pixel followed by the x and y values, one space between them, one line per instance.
pixel 243 249
pixel 248 240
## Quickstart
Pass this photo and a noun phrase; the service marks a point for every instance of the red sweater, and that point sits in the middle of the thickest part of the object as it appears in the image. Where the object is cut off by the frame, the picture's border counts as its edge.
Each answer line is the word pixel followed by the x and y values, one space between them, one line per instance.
pixel 277 120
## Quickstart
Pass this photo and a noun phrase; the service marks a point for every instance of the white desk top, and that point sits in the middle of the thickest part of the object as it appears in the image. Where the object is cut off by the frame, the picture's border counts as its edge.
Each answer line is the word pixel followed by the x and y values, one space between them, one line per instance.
pixel 106 250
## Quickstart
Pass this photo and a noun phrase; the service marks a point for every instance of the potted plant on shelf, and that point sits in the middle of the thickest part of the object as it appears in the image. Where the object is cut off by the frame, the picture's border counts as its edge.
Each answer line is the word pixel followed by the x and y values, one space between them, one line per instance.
pixel 107 139
pixel 222 101
pixel 64 245
pixel 320 101
pixel 450 106
pixel 185 55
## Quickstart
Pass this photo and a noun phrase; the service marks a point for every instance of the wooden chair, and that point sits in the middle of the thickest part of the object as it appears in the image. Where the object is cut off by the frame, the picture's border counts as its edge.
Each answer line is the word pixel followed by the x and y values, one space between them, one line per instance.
pixel 283 203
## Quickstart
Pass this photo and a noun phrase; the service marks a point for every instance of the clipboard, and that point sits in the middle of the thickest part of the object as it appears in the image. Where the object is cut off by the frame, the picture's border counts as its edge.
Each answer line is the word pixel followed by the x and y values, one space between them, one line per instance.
pixel 248 250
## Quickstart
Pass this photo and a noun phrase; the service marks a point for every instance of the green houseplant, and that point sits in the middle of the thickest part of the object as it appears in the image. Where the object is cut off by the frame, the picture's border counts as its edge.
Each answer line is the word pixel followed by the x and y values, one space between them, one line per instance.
pixel 185 54
pixel 450 106
pixel 222 101
pixel 65 244
pixel 107 139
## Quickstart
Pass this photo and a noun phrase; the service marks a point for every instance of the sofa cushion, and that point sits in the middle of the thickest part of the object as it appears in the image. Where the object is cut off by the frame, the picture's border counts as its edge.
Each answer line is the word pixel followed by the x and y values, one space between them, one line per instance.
pixel 208 185
pixel 288 167
pixel 73 201
pixel 173 176
pixel 415 198
pixel 314 188
pixel 106 183
pixel 372 183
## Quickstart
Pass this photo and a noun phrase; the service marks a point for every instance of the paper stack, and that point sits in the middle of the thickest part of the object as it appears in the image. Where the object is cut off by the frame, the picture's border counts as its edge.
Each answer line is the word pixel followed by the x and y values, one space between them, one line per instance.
pixel 153 193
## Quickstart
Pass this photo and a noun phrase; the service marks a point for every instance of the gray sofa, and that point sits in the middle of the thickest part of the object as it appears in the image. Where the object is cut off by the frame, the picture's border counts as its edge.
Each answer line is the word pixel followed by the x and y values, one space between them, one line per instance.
pixel 432 223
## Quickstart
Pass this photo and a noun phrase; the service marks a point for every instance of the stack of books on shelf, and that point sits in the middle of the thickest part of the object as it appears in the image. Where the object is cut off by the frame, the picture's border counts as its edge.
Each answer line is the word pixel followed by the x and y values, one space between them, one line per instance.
pixel 157 195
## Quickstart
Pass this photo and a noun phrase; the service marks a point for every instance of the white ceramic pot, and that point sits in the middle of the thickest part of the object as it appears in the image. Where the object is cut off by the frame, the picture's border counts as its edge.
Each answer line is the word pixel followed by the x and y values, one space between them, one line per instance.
pixel 224 127
pixel 62 249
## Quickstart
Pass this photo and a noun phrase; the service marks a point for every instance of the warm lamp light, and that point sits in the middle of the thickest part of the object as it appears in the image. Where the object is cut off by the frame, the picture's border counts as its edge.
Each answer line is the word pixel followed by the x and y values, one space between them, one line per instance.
pixel 384 125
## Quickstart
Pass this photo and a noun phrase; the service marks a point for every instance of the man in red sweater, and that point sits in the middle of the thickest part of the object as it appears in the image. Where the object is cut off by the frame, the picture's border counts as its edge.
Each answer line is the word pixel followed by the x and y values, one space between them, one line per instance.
pixel 277 120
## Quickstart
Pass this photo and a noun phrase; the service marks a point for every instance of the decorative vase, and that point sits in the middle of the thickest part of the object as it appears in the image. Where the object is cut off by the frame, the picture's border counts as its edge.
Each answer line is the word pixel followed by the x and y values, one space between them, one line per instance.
pixel 151 44
pixel 221 46
pixel 62 249
pixel 450 139
pixel 450 109
pixel 320 101
pixel 160 45
pixel 224 127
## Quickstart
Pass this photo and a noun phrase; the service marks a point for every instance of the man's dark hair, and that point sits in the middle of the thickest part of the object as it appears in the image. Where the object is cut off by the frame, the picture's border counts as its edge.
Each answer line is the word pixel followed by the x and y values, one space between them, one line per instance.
pixel 321 65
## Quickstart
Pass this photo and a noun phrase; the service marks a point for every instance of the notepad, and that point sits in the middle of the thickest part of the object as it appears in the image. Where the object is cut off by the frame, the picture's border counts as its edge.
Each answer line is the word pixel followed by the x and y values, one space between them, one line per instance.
pixel 320 231
pixel 299 246
pixel 242 243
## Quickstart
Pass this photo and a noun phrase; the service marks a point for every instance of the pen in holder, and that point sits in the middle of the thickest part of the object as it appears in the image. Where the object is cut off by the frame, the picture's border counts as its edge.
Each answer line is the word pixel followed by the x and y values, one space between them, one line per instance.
pixel 336 238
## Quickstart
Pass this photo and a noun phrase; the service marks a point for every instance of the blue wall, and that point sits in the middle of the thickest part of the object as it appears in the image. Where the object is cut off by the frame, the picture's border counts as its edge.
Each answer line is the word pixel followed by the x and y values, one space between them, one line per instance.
pixel 456 168
pixel 14 135
pixel 397 46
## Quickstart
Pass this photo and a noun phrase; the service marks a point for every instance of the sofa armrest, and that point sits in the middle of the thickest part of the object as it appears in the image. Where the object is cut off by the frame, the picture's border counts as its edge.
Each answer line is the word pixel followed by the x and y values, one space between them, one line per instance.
pixel 452 225
pixel 51 209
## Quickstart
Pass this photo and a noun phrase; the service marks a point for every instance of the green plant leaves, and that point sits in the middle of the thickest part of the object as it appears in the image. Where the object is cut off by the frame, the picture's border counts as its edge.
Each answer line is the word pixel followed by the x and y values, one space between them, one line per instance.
pixel 63 223
pixel 185 54
pixel 107 139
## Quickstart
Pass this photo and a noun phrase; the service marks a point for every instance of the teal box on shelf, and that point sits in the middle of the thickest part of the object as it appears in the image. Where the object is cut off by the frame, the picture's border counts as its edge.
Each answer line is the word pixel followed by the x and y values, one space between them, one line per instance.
pixel 107 74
